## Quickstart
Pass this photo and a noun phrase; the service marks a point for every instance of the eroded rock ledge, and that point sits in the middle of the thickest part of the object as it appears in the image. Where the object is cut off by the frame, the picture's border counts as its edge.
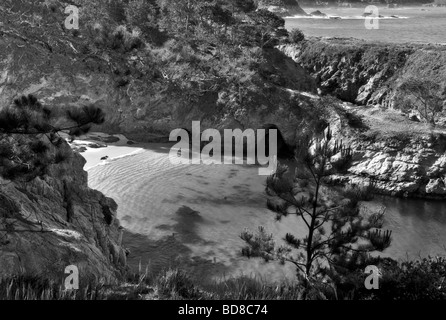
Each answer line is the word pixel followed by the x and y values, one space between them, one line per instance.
pixel 367 73
pixel 410 167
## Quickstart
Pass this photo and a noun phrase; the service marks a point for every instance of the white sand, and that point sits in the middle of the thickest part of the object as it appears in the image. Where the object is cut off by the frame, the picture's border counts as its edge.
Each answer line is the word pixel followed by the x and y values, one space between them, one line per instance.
pixel 113 150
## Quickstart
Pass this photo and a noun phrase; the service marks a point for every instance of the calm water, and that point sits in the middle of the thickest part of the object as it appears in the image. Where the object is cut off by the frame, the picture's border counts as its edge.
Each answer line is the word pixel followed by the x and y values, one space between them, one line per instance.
pixel 416 24
pixel 194 214
pixel 419 227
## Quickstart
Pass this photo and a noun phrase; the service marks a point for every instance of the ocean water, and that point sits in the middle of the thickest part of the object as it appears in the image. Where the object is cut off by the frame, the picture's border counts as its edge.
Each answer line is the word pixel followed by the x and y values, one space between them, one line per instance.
pixel 418 227
pixel 189 215
pixel 414 24
pixel 193 215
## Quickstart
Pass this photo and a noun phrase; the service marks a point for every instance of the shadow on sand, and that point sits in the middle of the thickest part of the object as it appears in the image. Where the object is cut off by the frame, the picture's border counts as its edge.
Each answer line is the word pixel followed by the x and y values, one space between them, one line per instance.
pixel 172 251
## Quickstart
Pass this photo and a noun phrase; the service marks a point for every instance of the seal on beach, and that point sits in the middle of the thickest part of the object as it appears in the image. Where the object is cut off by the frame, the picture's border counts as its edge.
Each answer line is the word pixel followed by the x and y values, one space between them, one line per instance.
pixel 104 158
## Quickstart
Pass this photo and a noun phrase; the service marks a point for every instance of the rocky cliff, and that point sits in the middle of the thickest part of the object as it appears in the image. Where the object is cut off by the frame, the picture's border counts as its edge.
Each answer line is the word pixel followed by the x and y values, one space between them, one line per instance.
pixel 405 158
pixel 399 164
pixel 55 221
pixel 367 73
pixel 415 169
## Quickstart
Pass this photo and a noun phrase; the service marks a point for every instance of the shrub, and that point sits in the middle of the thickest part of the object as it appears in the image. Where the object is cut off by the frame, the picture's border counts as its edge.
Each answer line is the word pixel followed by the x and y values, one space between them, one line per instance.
pixel 253 288
pixel 29 140
pixel 143 14
pixel 425 96
pixel 176 284
pixel 355 121
pixel 296 36
pixel 119 39
pixel 116 10
pixel 124 40
pixel 438 140
pixel 34 287
pixel 422 279
pixel 361 193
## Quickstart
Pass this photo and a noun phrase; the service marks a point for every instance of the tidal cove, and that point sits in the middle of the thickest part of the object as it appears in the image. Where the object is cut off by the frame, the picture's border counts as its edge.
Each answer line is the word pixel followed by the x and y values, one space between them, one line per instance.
pixel 233 143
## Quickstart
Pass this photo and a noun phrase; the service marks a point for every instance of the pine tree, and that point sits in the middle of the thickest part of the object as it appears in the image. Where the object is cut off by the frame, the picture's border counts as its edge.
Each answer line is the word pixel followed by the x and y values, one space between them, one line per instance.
pixel 338 233
pixel 268 27
pixel 30 135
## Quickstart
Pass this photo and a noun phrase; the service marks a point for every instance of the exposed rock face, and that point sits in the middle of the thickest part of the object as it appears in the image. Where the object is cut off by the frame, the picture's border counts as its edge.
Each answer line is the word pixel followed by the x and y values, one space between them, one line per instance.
pixel 318 13
pixel 55 221
pixel 412 167
pixel 403 170
pixel 367 73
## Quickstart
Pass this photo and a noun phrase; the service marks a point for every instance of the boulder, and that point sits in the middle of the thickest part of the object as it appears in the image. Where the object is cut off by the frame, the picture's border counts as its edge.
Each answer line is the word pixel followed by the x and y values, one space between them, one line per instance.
pixel 436 187
pixel 318 13
pixel 55 221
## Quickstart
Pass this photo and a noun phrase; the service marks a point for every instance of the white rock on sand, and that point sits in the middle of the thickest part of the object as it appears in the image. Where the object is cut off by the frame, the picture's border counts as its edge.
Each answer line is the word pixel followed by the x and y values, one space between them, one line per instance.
pixel 94 150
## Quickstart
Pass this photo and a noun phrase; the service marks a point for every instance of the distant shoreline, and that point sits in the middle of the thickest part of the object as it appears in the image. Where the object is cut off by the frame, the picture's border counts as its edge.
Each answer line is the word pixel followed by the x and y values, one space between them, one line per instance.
pixel 403 25
pixel 420 45
pixel 332 5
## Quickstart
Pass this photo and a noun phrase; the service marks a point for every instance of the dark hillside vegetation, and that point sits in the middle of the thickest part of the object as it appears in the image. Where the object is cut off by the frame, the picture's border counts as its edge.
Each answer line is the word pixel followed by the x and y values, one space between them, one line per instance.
pixel 153 65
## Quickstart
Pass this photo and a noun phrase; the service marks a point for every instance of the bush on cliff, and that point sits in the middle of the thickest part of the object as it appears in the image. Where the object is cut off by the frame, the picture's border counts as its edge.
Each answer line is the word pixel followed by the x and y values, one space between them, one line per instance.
pixel 425 96
pixel 29 135
pixel 422 279
pixel 296 36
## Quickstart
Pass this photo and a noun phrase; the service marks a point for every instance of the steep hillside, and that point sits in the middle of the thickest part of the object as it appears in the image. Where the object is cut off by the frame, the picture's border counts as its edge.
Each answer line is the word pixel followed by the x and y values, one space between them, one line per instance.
pixel 54 221
pixel 148 87
pixel 403 156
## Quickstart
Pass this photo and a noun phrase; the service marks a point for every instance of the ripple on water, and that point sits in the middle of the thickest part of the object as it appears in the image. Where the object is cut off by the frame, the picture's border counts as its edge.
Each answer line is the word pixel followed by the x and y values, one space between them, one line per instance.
pixel 188 214
pixel 193 216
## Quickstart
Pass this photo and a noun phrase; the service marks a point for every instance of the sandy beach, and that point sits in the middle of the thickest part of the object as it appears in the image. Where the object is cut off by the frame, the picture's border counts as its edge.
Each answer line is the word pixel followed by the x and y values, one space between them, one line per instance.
pixel 101 148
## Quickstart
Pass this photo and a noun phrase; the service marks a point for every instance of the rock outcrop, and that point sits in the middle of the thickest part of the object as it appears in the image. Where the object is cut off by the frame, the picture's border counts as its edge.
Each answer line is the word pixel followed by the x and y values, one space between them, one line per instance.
pixel 285 8
pixel 403 165
pixel 318 13
pixel 415 169
pixel 367 73
pixel 55 221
